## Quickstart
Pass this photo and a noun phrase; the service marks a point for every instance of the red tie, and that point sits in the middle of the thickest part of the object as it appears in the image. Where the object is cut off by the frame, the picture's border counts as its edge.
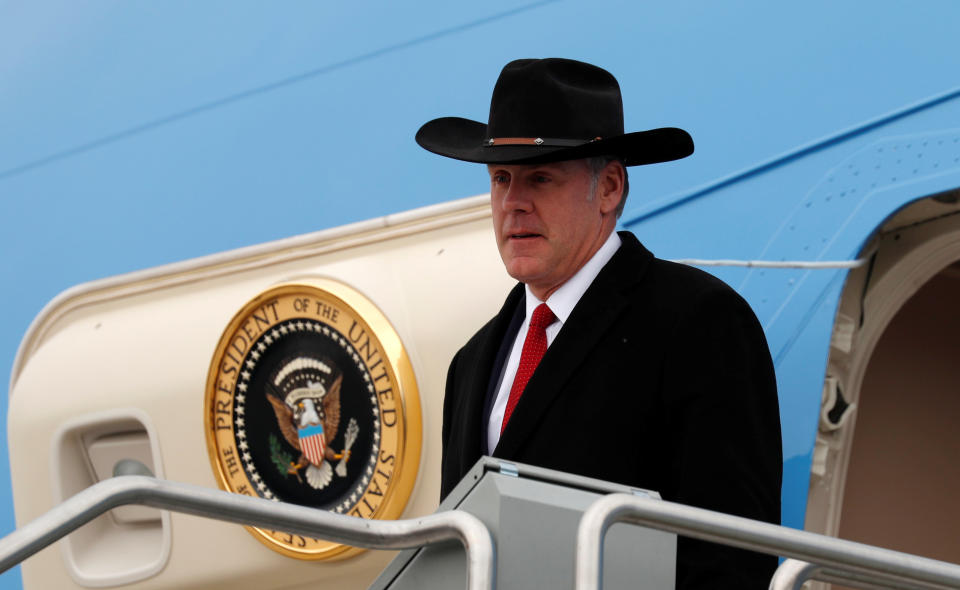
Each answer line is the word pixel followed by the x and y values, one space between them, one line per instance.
pixel 534 347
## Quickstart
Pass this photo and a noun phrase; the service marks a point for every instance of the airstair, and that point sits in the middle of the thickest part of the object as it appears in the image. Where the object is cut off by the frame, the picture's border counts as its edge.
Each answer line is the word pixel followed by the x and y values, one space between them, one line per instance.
pixel 509 518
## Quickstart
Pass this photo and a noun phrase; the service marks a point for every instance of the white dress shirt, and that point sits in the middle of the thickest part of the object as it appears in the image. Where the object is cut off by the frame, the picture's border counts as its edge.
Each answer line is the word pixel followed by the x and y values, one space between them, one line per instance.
pixel 561 302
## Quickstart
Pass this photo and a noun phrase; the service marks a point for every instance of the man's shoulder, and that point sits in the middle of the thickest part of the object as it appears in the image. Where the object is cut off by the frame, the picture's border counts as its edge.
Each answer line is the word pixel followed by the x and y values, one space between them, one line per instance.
pixel 671 282
pixel 688 280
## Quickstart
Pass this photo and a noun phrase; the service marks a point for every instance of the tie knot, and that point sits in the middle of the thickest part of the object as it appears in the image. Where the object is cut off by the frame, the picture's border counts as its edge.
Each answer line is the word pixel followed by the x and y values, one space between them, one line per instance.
pixel 542 317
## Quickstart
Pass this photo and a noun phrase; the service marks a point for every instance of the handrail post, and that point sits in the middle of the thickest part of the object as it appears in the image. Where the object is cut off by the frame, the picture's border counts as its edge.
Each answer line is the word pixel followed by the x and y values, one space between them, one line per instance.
pixel 217 504
pixel 791 574
pixel 588 568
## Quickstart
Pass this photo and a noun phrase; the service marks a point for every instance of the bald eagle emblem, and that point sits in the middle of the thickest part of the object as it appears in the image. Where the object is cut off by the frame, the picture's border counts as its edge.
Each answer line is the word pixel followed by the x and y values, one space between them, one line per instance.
pixel 305 395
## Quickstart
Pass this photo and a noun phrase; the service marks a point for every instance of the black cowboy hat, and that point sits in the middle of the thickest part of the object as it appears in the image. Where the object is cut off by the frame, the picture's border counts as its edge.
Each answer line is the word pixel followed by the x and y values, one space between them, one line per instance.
pixel 546 110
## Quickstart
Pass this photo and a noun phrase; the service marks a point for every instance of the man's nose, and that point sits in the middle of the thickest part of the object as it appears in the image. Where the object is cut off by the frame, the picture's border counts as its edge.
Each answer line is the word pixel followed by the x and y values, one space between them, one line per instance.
pixel 516 198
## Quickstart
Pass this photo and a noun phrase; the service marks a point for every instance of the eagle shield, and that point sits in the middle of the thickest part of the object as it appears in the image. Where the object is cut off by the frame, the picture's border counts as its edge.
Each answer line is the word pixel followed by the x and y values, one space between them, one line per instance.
pixel 312 443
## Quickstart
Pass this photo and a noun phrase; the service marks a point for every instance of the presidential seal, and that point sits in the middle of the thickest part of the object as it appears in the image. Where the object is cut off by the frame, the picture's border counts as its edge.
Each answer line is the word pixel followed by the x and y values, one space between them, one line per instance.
pixel 311 400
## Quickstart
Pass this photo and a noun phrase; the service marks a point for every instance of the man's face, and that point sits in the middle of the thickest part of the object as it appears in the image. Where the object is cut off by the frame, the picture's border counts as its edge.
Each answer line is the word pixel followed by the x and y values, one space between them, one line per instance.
pixel 547 221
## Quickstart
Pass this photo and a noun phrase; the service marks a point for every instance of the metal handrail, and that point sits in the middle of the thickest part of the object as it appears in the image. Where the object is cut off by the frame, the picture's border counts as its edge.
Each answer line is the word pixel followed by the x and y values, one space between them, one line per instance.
pixel 792 574
pixel 836 559
pixel 220 505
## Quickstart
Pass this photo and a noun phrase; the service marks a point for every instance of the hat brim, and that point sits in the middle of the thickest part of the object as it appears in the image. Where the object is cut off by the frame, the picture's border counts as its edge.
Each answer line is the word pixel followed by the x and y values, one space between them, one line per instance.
pixel 463 139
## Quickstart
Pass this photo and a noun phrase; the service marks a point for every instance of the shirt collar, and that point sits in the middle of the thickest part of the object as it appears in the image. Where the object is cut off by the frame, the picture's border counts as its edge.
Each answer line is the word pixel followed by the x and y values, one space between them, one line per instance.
pixel 562 301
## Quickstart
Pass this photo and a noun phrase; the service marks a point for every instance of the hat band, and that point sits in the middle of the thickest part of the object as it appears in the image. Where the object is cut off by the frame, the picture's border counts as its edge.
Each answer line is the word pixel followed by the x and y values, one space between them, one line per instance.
pixel 538 141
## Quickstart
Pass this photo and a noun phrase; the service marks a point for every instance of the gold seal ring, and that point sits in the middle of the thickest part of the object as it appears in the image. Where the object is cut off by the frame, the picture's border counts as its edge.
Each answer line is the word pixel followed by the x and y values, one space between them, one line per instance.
pixel 311 399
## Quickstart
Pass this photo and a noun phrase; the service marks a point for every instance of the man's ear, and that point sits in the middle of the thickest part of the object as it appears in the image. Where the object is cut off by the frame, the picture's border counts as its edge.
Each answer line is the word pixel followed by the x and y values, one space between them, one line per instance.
pixel 610 186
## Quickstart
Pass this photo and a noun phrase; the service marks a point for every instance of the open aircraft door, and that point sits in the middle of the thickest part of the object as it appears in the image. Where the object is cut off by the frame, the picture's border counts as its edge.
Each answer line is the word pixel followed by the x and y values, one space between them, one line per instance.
pixel 884 467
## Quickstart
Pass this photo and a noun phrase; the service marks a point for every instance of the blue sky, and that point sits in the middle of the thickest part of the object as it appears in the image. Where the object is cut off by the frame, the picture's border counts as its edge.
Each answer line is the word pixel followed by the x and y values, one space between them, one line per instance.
pixel 134 134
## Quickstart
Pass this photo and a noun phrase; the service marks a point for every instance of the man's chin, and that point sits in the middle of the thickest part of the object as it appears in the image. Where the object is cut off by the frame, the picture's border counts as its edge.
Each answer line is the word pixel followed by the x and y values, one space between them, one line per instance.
pixel 525 270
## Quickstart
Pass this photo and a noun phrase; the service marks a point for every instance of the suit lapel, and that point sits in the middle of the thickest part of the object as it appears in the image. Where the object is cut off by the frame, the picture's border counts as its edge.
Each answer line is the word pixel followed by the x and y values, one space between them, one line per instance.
pixel 473 417
pixel 506 345
pixel 593 316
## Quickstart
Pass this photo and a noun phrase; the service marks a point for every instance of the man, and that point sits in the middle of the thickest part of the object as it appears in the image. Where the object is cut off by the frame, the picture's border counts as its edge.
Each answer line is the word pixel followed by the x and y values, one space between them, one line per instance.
pixel 605 361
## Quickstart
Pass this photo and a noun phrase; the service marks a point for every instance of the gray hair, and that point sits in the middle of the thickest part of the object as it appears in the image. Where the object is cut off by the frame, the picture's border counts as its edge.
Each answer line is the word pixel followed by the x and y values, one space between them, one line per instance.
pixel 596 165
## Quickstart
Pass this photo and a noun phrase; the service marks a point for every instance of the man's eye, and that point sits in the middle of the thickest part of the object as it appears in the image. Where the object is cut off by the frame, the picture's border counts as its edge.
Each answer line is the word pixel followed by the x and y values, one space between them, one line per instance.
pixel 541 178
pixel 500 178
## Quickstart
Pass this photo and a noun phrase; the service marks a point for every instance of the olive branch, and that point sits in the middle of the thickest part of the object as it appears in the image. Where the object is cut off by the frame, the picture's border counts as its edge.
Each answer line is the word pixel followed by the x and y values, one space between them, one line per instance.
pixel 280 457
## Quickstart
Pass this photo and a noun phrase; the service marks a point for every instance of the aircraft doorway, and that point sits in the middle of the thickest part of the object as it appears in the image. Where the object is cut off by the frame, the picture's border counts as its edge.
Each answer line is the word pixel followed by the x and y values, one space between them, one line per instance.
pixel 902 478
pixel 885 461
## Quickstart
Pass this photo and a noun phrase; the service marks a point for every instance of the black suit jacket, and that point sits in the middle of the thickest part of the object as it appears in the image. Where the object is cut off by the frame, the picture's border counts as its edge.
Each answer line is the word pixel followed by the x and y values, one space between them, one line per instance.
pixel 660 379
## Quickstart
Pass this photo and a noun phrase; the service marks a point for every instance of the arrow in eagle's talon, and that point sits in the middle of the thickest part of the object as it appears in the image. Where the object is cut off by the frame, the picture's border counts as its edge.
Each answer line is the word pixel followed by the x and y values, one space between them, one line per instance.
pixel 351 437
